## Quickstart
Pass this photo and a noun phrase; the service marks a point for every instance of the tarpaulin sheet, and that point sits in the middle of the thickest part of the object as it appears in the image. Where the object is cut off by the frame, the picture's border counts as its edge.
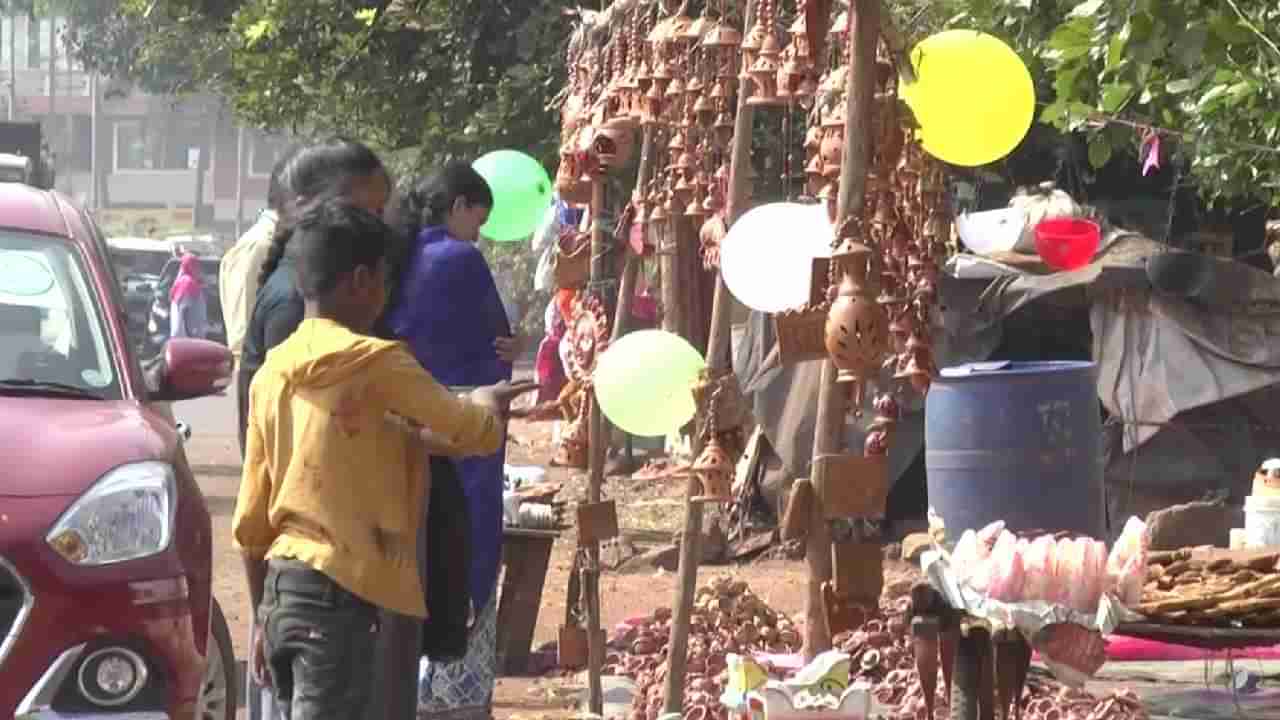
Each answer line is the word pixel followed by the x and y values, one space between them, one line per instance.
pixel 1209 360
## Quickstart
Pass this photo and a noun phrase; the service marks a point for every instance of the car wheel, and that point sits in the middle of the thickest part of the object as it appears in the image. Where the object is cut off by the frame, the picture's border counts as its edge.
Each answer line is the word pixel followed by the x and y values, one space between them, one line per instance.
pixel 218 689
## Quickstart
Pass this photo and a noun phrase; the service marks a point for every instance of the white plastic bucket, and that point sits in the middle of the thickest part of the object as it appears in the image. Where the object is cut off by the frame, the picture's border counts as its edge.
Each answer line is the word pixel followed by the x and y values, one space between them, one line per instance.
pixel 1262 521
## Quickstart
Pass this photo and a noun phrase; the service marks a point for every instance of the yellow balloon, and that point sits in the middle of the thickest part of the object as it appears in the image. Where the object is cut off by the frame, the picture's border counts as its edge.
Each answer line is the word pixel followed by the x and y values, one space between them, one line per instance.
pixel 973 97
pixel 644 382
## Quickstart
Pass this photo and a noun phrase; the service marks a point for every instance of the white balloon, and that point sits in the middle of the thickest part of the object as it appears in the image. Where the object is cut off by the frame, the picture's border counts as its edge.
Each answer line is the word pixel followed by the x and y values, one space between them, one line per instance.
pixel 767 257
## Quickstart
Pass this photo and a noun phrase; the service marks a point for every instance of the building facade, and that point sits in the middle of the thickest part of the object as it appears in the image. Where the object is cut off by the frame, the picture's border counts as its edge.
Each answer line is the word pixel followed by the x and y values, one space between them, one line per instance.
pixel 150 154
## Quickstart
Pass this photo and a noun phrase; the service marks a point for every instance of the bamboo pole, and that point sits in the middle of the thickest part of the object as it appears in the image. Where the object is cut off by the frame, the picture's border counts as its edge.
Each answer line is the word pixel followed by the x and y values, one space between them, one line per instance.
pixel 832 401
pixel 598 441
pixel 717 357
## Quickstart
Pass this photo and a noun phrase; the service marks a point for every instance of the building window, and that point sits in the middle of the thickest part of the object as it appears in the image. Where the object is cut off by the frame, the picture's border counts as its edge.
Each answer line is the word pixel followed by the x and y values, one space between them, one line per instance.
pixel 264 152
pixel 163 143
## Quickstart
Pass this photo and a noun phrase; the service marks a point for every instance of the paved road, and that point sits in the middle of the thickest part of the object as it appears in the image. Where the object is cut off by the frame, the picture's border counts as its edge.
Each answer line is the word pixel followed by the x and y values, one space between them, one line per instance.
pixel 213 431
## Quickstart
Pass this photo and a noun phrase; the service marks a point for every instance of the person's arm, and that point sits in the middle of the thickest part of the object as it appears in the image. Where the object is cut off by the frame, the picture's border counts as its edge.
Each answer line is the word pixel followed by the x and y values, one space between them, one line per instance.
pixel 251 529
pixel 404 388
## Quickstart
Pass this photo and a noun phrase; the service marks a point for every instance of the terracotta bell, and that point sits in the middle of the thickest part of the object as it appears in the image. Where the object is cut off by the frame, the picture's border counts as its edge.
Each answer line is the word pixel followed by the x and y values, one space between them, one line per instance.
pixel 714 471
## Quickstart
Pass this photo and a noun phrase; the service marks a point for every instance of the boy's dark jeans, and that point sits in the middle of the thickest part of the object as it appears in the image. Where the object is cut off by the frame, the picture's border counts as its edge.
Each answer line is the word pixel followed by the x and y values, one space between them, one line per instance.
pixel 320 642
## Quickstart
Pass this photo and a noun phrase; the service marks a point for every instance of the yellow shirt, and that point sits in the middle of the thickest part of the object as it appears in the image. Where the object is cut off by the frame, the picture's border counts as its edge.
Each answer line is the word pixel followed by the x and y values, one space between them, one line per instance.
pixel 327 480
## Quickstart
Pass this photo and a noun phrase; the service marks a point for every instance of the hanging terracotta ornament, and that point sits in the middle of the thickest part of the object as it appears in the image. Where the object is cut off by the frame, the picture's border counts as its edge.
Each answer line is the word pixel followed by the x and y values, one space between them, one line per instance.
pixel 710 237
pixel 857 327
pixel 714 471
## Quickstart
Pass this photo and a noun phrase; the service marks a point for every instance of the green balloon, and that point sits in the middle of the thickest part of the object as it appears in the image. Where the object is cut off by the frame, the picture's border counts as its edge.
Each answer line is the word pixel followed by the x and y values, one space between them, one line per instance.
pixel 521 193
pixel 644 382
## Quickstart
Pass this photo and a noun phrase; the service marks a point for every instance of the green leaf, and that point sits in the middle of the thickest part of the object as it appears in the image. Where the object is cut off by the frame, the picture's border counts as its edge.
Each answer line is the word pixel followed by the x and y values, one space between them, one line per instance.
pixel 1072 39
pixel 1086 9
pixel 1115 48
pixel 1177 87
pixel 1189 49
pixel 257 31
pixel 1099 151
pixel 1115 95
pixel 367 15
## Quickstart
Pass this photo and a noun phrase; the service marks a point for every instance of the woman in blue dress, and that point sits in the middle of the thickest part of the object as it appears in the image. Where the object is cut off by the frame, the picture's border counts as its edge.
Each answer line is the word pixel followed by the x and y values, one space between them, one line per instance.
pixel 448 309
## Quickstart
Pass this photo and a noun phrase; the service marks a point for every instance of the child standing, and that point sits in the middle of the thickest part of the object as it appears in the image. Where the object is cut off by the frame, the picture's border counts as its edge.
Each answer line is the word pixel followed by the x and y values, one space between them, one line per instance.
pixel 331 495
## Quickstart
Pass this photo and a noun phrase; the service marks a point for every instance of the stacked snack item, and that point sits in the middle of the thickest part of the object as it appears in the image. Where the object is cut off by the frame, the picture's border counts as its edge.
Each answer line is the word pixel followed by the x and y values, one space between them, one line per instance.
pixel 1072 572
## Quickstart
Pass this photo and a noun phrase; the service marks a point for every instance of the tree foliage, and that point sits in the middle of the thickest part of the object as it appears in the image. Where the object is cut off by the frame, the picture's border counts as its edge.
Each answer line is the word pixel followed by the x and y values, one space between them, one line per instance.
pixel 1207 70
pixel 453 77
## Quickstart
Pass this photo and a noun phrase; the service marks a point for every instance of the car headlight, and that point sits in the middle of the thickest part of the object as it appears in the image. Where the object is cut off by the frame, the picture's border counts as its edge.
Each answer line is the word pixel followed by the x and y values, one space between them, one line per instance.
pixel 126 515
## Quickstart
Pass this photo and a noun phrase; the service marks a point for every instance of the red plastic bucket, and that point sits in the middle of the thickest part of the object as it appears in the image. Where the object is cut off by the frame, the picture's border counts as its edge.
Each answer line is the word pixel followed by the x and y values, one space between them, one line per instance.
pixel 1067 243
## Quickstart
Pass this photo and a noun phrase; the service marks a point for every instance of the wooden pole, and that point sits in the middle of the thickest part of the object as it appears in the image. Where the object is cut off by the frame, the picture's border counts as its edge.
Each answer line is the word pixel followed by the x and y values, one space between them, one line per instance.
pixel 598 442
pixel 627 288
pixel 832 400
pixel 717 358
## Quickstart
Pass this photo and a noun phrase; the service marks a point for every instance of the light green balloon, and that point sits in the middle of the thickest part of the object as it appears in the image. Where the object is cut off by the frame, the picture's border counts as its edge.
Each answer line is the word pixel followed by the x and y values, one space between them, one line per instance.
pixel 521 193
pixel 644 382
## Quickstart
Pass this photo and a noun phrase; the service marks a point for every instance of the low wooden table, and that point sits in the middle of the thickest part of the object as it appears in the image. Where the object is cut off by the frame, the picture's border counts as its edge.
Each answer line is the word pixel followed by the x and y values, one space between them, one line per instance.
pixel 525 557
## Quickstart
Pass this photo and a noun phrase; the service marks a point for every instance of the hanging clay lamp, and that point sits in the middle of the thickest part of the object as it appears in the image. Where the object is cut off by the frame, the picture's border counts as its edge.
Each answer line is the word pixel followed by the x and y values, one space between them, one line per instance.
pixel 714 471
pixel 857 331
pixel 720 36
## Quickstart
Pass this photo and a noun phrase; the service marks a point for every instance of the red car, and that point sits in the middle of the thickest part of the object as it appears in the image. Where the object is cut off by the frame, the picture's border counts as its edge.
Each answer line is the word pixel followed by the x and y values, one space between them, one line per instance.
pixel 105 540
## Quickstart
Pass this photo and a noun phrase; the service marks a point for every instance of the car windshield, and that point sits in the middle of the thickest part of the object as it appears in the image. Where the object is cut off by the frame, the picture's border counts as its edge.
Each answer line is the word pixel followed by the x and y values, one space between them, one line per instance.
pixel 51 328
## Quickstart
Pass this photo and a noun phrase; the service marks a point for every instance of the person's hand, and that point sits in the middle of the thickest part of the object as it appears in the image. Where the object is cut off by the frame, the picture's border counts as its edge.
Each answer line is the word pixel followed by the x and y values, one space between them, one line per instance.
pixel 498 397
pixel 260 674
pixel 509 348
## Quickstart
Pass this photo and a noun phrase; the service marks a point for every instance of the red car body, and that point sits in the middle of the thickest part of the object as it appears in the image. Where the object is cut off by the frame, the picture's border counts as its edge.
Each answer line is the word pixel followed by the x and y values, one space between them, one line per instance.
pixel 53 450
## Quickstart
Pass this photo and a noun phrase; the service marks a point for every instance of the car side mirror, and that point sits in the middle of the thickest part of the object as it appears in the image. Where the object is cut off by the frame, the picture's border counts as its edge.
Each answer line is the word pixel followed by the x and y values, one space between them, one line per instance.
pixel 189 368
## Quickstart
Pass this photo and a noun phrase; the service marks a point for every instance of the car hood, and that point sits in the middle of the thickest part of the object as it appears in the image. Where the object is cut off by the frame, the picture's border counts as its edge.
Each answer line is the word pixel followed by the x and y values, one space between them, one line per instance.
pixel 56 446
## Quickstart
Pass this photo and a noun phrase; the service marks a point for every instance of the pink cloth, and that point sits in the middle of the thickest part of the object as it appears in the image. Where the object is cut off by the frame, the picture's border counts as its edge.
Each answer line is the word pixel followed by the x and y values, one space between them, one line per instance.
pixel 188 284
pixel 551 373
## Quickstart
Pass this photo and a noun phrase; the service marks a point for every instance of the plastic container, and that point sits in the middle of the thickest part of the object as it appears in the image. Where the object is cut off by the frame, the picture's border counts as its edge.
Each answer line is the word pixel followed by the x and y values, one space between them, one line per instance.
pixel 1067 243
pixel 992 231
pixel 1019 442
pixel 1262 521
pixel 1266 481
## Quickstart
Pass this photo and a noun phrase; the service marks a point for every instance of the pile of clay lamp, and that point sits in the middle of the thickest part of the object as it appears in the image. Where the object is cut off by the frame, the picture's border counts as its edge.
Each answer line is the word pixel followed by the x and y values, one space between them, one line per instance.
pixel 729 618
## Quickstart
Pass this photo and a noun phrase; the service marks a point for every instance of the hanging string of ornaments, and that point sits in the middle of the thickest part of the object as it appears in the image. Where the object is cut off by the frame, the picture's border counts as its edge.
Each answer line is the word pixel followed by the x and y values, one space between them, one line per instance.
pixel 862 294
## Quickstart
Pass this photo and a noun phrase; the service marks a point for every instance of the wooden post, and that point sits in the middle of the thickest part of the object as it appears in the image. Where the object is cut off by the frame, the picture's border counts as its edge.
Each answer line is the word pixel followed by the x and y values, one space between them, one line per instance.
pixel 832 401
pixel 598 442
pixel 627 288
pixel 717 358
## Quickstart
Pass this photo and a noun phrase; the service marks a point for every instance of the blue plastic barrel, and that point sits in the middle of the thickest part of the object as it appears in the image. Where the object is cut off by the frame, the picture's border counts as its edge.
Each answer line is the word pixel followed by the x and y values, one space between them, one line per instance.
pixel 1019 442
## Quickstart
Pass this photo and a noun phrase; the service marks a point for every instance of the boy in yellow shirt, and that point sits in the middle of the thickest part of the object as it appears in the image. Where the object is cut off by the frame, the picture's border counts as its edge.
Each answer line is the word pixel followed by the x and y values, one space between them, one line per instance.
pixel 332 494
